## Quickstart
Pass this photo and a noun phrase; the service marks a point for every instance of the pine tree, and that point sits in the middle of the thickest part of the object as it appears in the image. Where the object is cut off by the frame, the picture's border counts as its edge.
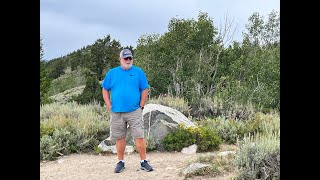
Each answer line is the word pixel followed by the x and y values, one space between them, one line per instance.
pixel 92 92
pixel 44 80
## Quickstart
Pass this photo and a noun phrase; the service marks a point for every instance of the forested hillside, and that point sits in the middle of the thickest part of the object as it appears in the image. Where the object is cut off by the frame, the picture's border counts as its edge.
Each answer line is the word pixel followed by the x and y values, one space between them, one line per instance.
pixel 195 60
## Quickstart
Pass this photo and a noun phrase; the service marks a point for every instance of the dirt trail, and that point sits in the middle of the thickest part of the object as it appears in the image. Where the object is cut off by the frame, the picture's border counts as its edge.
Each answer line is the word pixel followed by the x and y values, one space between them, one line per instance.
pixel 166 165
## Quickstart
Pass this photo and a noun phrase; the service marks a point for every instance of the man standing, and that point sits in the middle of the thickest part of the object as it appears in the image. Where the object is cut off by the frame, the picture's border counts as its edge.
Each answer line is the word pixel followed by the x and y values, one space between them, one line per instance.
pixel 128 87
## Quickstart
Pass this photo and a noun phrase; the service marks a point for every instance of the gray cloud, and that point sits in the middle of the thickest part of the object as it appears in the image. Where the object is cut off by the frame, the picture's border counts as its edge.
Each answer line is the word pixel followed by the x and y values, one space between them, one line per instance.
pixel 66 26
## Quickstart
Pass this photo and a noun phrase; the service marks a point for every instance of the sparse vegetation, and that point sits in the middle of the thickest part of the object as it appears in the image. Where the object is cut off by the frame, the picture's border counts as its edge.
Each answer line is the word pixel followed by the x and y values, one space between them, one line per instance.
pixel 258 141
pixel 253 153
pixel 177 103
pixel 218 165
pixel 230 90
pixel 69 80
pixel 68 128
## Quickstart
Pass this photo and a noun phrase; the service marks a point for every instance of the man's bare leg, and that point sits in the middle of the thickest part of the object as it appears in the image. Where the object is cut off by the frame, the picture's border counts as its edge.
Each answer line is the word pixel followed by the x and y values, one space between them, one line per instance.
pixel 141 147
pixel 121 146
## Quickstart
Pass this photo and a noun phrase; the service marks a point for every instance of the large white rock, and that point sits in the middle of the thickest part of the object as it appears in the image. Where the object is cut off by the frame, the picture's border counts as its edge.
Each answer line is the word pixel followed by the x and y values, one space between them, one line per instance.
pixel 158 120
pixel 173 114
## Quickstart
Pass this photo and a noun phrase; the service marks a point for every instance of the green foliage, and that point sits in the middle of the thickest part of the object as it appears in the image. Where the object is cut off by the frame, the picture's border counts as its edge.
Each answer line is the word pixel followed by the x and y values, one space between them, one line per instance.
pixel 264 123
pixel 206 139
pixel 68 95
pixel 47 148
pixel 261 32
pixel 178 140
pixel 41 49
pixel 97 150
pixel 252 71
pixel 231 130
pixel 46 130
pixel 68 81
pixel 44 80
pixel 150 144
pixel 214 107
pixel 174 62
pixel 228 129
pixel 92 91
pixel 99 57
pixel 61 142
pixel 56 68
pixel 253 153
pixel 270 165
pixel 193 62
pixel 70 127
pixel 103 52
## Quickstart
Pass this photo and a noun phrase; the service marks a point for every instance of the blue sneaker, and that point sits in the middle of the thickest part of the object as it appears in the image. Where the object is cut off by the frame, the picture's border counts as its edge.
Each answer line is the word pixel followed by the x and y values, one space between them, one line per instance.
pixel 145 166
pixel 120 167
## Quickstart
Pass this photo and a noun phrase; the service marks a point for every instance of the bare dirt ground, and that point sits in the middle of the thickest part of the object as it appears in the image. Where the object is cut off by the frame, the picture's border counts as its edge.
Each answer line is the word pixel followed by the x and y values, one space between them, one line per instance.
pixel 166 165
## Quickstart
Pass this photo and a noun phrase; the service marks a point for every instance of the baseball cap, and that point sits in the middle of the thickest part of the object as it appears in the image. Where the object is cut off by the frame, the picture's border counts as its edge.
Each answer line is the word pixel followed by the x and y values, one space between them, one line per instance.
pixel 125 53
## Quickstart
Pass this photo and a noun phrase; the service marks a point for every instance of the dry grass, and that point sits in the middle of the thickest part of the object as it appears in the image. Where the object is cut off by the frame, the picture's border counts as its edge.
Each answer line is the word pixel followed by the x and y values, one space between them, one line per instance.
pixel 220 166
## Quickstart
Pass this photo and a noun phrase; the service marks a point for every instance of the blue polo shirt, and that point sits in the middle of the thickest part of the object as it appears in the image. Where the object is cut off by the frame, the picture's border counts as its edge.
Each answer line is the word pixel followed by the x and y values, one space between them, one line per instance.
pixel 125 87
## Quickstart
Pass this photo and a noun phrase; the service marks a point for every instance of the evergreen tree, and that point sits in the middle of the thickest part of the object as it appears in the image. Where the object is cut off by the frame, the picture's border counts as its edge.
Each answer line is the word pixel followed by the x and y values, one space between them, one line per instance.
pixel 44 80
pixel 92 92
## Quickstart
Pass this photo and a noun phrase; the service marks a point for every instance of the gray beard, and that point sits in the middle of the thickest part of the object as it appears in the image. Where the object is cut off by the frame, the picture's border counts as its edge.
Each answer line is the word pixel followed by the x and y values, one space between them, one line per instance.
pixel 127 66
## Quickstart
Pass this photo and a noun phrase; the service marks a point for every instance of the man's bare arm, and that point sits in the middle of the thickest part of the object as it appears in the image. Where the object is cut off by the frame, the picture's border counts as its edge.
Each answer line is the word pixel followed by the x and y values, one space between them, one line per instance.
pixel 144 97
pixel 106 98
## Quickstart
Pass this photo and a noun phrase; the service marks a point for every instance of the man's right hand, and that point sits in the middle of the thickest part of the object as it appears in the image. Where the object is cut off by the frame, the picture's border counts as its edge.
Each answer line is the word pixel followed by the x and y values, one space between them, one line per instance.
pixel 109 107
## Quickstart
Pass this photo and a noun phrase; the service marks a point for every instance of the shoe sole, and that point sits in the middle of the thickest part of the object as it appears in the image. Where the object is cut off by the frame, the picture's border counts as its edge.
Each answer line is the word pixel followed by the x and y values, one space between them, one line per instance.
pixel 120 170
pixel 142 168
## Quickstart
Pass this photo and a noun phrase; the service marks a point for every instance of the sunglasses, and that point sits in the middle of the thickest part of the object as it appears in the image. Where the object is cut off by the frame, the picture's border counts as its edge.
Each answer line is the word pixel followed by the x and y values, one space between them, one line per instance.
pixel 127 58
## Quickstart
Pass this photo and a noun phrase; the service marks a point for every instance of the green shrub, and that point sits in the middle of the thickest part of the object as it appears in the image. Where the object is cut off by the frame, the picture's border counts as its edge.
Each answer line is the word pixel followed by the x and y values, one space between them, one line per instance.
pixel 229 130
pixel 270 123
pixel 254 152
pixel 65 141
pixel 179 139
pixel 97 150
pixel 62 142
pixel 68 141
pixel 67 81
pixel 67 95
pixel 264 123
pixel 270 166
pixel 45 130
pixel 92 91
pixel 206 139
pixel 68 128
pixel 45 99
pixel 48 148
pixel 212 107
pixel 150 144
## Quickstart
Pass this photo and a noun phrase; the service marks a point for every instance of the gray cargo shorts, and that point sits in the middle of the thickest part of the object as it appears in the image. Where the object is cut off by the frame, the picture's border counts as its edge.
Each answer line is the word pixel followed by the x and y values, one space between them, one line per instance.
pixel 120 120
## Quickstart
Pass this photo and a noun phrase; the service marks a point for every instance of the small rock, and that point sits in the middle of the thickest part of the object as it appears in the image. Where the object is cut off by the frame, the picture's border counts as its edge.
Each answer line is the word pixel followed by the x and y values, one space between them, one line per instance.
pixel 190 150
pixel 225 153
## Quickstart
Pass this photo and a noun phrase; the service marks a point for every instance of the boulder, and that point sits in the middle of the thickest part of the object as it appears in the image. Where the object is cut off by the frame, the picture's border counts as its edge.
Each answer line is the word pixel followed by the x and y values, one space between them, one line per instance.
pixel 158 120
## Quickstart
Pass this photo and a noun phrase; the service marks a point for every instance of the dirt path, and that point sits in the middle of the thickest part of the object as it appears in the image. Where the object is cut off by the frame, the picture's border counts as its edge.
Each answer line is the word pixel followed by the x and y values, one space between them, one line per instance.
pixel 166 165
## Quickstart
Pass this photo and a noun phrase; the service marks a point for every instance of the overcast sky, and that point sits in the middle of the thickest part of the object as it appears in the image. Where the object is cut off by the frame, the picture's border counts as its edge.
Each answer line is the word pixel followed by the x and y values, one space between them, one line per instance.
pixel 67 25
